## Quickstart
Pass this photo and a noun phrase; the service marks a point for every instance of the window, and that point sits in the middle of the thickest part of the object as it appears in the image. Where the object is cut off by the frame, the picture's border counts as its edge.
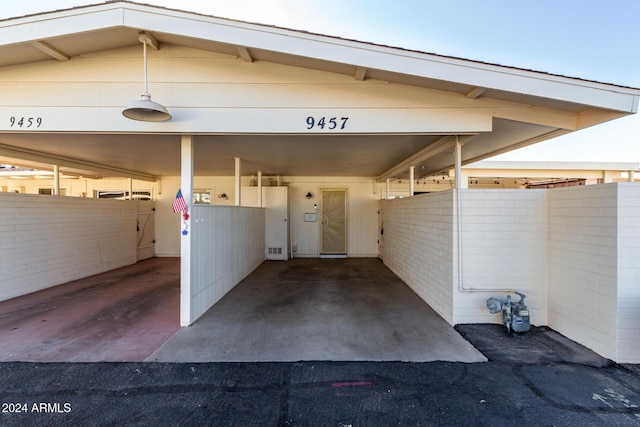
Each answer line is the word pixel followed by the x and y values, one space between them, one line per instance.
pixel 202 197
pixel 123 195
pixel 48 191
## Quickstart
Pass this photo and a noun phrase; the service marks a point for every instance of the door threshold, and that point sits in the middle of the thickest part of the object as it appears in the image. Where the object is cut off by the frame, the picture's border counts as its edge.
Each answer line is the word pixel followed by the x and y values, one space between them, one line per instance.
pixel 333 256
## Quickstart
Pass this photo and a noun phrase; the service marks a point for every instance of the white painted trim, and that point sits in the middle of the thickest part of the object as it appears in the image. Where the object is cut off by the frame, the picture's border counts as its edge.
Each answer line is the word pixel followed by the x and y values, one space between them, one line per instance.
pixel 186 185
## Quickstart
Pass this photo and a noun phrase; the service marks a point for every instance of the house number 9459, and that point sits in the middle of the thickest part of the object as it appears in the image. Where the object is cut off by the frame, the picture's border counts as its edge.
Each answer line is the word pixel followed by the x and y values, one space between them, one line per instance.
pixel 329 123
pixel 25 122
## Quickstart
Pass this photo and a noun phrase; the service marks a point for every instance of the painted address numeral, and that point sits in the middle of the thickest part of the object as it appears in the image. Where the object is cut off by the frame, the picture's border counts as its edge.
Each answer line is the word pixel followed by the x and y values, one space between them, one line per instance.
pixel 25 122
pixel 328 123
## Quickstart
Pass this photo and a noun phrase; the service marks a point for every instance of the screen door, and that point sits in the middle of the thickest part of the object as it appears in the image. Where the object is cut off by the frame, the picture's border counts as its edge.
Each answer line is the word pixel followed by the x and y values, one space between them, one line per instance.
pixel 333 236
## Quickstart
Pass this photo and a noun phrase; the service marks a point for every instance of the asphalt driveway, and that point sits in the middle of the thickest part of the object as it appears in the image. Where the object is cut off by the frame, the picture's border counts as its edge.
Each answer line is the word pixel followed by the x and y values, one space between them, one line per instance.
pixel 538 378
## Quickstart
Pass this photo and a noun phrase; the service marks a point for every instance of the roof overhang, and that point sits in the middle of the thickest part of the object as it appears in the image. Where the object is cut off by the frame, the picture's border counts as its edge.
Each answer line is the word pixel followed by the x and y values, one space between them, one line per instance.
pixel 556 104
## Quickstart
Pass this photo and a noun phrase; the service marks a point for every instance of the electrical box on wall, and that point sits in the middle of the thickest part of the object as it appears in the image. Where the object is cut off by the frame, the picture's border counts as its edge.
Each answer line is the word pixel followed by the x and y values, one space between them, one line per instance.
pixel 310 217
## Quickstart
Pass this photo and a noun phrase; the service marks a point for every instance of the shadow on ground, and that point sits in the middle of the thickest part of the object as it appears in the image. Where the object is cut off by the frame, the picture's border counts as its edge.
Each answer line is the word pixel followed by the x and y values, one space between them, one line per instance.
pixel 535 378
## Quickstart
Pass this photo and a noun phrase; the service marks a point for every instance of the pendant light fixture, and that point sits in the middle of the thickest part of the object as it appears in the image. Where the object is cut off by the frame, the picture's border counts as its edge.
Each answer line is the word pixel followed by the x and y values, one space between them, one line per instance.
pixel 145 109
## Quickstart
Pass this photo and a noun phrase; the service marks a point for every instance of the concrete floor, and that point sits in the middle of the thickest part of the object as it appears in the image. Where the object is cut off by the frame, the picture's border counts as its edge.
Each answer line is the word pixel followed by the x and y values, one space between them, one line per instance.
pixel 304 309
pixel 120 315
pixel 319 309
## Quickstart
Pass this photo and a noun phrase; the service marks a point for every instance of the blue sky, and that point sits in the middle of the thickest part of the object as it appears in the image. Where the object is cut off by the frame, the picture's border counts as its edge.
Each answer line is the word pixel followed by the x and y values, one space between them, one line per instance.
pixel 595 40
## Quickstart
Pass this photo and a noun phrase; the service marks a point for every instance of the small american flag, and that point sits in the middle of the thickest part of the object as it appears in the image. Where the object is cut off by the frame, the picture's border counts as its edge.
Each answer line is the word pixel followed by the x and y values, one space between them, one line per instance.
pixel 179 205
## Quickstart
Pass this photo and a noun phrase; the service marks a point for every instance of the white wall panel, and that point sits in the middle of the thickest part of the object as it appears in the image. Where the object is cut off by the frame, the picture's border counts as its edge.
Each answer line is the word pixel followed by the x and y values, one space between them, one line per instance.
pixel 227 245
pixel 582 265
pixel 216 93
pixel 47 240
pixel 504 246
pixel 628 273
pixel 418 246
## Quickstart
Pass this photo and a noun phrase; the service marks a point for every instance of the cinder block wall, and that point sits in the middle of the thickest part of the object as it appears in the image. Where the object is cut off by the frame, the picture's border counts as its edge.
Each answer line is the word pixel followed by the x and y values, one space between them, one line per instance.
pixel 417 245
pixel 583 250
pixel 227 245
pixel 504 246
pixel 48 240
pixel 594 292
pixel 628 273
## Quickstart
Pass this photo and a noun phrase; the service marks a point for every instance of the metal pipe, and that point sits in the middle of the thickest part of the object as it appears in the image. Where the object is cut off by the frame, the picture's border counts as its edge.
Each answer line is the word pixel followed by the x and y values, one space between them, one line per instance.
pixel 458 190
pixel 144 53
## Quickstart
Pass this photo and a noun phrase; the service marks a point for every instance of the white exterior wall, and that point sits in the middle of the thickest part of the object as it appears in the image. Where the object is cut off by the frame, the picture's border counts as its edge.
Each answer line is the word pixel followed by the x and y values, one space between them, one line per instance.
pixel 504 246
pixel 417 245
pixel 628 273
pixel 48 240
pixel 362 206
pixel 214 92
pixel 227 243
pixel 168 222
pixel 362 214
pixel 583 265
pixel 594 297
pixel 573 251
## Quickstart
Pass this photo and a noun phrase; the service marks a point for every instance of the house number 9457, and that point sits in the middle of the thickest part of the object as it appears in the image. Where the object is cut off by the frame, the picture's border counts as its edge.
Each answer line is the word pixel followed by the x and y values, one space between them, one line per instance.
pixel 329 123
pixel 25 122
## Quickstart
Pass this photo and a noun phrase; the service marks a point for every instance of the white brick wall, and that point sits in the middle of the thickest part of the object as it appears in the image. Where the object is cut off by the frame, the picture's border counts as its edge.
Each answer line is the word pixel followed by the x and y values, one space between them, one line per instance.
pixel 504 246
pixel 46 240
pixel 582 265
pixel 227 244
pixel 628 298
pixel 418 246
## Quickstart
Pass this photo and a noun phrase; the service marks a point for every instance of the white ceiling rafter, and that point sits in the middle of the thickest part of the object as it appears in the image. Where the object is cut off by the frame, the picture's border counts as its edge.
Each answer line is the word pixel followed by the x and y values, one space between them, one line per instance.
pixel 96 169
pixel 475 93
pixel 442 144
pixel 245 54
pixel 50 50
pixel 361 73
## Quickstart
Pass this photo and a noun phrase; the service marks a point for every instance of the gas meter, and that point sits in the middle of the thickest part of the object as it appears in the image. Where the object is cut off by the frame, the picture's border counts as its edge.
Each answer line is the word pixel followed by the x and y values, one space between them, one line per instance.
pixel 515 315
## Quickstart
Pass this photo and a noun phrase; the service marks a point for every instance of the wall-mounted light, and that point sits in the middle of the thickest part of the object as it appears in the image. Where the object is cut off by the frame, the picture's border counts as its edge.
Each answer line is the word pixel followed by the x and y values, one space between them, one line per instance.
pixel 223 196
pixel 145 109
pixel 309 195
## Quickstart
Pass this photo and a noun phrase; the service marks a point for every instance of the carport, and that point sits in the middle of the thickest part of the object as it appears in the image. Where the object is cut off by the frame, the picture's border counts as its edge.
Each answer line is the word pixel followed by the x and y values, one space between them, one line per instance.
pixel 247 102
pixel 303 309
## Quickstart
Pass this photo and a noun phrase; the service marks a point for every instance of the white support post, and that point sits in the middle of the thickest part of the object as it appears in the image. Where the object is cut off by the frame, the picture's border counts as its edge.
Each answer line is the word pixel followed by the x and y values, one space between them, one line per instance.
pixel 630 176
pixel 388 182
pixel 130 188
pixel 260 188
pixel 237 182
pixel 458 167
pixel 412 178
pixel 186 186
pixel 56 180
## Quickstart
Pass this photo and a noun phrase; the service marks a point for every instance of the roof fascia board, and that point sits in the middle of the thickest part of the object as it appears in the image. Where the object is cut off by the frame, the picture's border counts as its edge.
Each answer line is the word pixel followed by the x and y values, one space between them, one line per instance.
pixel 298 43
pixel 48 26
pixel 396 60
pixel 573 166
